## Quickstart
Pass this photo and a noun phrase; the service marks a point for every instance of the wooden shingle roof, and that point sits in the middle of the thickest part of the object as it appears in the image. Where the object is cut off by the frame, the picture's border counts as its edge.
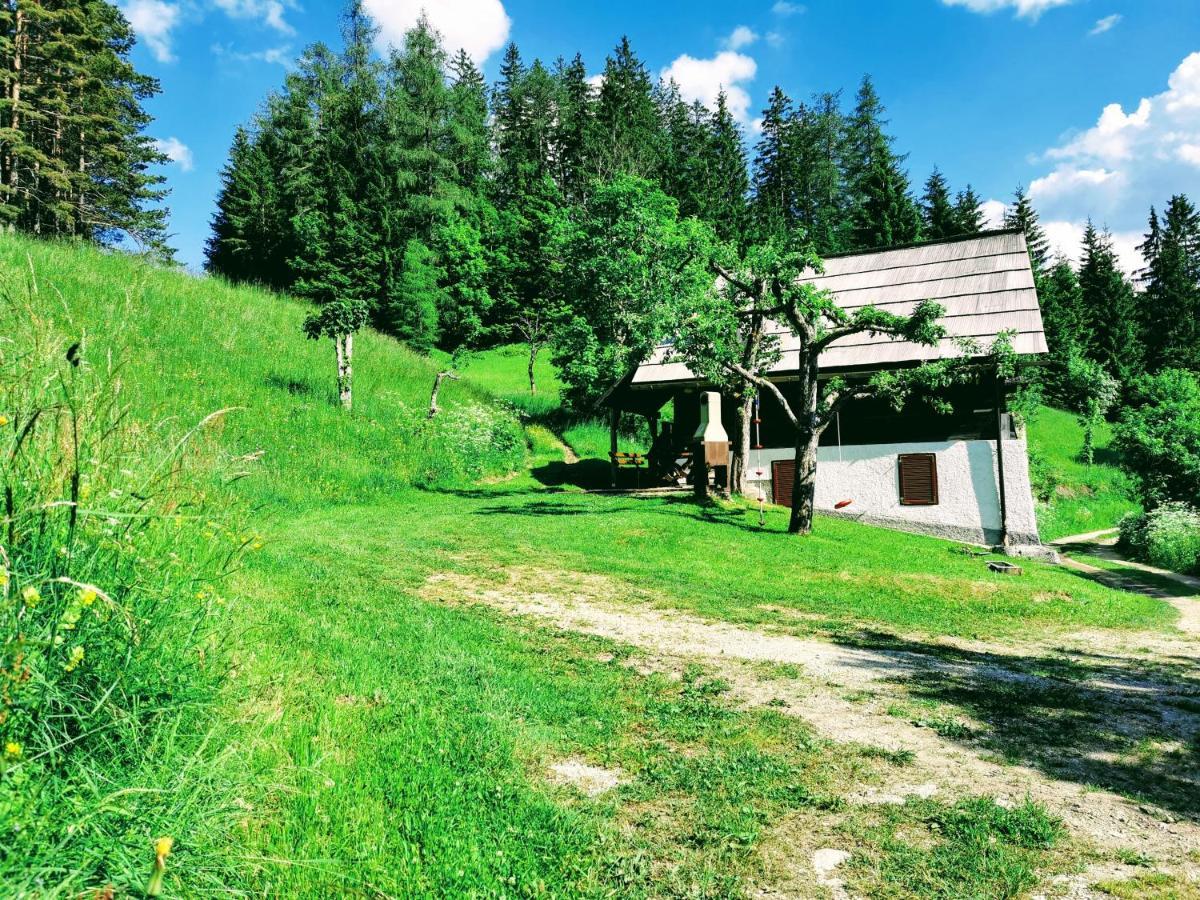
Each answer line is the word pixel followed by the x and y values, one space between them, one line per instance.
pixel 984 282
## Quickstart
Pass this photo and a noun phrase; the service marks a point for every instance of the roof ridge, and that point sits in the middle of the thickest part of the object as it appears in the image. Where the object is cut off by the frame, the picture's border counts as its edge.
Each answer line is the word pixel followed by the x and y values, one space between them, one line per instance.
pixel 956 239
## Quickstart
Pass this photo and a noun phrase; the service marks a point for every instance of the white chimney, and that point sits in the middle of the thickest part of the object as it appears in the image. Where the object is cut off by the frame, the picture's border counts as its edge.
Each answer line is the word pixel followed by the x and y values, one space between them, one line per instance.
pixel 711 432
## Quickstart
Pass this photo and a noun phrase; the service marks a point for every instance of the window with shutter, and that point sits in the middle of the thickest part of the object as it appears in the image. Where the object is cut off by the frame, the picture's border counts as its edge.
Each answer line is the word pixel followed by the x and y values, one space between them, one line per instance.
pixel 918 479
pixel 783 476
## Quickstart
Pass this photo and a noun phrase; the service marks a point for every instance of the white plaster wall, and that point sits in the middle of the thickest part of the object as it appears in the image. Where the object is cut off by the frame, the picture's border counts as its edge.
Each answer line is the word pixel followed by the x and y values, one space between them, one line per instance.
pixel 968 505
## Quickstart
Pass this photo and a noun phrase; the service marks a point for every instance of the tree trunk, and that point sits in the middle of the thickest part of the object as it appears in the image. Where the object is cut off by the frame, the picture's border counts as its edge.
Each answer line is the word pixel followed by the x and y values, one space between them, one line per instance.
pixel 437 387
pixel 533 352
pixel 740 464
pixel 343 346
pixel 808 436
pixel 804 489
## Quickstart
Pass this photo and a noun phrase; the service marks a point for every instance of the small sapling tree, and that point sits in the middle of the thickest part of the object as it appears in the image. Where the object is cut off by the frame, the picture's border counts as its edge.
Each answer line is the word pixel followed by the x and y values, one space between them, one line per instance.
pixel 339 319
pixel 720 335
pixel 1093 392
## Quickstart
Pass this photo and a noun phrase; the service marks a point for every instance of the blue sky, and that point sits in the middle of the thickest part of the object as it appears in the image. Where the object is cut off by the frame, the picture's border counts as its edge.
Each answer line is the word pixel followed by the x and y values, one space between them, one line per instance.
pixel 1092 104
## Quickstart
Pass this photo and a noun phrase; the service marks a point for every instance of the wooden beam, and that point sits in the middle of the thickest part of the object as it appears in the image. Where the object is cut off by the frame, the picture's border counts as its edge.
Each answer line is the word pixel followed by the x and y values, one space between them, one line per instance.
pixel 613 422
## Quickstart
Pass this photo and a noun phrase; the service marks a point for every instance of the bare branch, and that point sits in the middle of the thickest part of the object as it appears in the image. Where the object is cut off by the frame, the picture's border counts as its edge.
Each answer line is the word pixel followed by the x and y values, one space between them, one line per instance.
pixel 760 382
pixel 721 272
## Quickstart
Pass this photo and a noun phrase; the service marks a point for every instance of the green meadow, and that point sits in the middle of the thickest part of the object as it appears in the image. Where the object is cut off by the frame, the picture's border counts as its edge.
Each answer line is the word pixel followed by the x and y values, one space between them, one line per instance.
pixel 332 728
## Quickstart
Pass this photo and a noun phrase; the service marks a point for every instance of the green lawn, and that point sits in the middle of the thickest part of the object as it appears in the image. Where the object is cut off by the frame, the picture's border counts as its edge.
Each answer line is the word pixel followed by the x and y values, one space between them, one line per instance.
pixel 1074 498
pixel 370 742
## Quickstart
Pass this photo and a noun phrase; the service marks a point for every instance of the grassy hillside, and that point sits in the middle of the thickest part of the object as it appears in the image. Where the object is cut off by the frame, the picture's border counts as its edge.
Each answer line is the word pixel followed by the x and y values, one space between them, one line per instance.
pixel 371 740
pixel 190 346
pixel 1074 498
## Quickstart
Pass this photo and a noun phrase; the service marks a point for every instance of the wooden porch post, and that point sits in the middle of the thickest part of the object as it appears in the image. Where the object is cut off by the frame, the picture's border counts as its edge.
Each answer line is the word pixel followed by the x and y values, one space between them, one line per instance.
pixel 613 422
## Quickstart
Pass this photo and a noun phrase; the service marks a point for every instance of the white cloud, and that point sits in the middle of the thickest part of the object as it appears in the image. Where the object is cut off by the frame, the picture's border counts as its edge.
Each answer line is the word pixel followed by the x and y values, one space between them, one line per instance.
pixel 1066 240
pixel 281 55
pixel 1114 170
pixel 596 81
pixel 783 8
pixel 1108 23
pixel 152 22
pixel 1024 9
pixel 269 11
pixel 775 38
pixel 478 26
pixel 704 79
pixel 742 36
pixel 176 151
pixel 993 213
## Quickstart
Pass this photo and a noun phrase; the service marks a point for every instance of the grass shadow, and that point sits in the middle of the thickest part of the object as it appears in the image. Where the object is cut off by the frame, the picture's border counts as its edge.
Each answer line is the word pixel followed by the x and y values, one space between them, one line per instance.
pixel 1105 720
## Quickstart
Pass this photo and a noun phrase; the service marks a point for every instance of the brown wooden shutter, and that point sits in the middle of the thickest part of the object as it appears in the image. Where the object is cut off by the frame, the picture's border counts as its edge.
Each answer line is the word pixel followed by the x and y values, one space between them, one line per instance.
pixel 783 477
pixel 918 479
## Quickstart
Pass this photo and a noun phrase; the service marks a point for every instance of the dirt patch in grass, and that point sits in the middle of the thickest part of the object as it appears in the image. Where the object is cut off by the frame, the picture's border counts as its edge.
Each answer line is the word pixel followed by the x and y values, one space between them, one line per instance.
pixel 1057 723
pixel 589 780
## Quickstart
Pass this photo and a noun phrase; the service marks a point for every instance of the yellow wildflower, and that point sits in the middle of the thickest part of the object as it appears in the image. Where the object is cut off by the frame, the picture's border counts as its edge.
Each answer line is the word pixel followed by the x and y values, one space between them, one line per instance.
pixel 12 749
pixel 75 660
pixel 162 849
pixel 3 421
pixel 3 577
pixel 31 596
pixel 87 596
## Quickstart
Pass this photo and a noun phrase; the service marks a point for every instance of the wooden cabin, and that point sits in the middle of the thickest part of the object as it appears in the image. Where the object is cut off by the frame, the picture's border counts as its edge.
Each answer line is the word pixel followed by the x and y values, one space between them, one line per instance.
pixel 963 475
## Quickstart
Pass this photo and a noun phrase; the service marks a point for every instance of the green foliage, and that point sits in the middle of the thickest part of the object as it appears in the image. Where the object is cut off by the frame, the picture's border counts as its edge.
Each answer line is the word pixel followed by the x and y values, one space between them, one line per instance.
pixel 1158 437
pixel 1108 306
pixel 413 308
pixel 628 262
pixel 1022 215
pixel 940 217
pixel 1093 393
pixel 1167 536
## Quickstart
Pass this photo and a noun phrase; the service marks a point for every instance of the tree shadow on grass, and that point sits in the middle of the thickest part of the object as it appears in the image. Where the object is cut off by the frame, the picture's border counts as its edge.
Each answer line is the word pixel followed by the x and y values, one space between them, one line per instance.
pixel 1106 720
pixel 591 474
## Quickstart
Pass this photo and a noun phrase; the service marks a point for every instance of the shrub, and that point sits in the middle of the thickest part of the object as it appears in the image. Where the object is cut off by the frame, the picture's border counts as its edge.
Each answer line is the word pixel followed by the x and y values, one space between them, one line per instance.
pixel 1168 536
pixel 112 552
pixel 1159 437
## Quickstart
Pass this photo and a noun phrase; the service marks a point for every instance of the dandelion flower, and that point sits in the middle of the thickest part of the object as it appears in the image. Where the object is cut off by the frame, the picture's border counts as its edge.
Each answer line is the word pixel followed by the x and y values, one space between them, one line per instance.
pixel 162 849
pixel 12 749
pixel 31 596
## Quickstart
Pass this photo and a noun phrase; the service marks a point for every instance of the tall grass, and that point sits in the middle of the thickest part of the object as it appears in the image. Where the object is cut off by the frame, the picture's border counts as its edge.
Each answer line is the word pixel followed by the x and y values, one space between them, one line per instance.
pixel 115 542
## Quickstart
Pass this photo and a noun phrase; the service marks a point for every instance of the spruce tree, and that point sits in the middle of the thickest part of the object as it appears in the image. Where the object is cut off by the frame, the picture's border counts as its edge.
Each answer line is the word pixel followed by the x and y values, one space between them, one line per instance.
pixel 1066 327
pixel 938 214
pixel 1022 215
pixel 882 211
pixel 1108 308
pixel 244 238
pixel 625 124
pixel 728 182
pixel 773 205
pixel 968 217
pixel 572 129
pixel 815 147
pixel 1170 306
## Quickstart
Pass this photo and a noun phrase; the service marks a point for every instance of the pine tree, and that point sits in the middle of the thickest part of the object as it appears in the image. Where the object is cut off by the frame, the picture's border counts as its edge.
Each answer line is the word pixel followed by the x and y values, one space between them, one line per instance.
pixel 625 125
pixel 883 212
pixel 469 148
pixel 937 212
pixel 572 128
pixel 1022 215
pixel 968 217
pixel 1067 330
pixel 817 140
pixel 1108 308
pixel 74 157
pixel 728 182
pixel 1170 306
pixel 244 240
pixel 773 205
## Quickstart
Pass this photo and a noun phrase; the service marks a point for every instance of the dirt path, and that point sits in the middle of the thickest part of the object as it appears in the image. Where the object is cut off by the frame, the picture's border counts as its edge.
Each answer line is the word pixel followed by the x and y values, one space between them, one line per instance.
pixel 837 678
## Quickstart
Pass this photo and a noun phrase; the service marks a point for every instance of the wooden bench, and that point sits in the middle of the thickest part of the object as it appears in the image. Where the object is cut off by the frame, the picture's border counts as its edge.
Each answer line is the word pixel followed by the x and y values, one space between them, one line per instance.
pixel 637 461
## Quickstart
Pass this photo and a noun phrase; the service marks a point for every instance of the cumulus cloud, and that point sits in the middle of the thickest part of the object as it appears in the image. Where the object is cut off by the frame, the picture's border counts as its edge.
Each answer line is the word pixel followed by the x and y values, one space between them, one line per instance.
pixel 153 21
pixel 1108 23
pixel 1023 9
pixel 1114 170
pixel 993 213
pixel 704 79
pixel 742 36
pixel 783 8
pixel 478 26
pixel 269 12
pixel 177 152
pixel 1066 240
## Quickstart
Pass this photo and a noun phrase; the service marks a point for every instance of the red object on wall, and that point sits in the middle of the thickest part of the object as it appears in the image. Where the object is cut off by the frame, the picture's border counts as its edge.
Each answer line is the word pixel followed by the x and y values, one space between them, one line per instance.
pixel 842 504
